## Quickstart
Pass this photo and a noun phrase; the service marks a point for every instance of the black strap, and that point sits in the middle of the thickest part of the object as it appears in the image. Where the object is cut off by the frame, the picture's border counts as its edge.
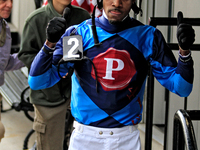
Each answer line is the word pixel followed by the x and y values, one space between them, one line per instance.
pixel 49 52
pixel 185 60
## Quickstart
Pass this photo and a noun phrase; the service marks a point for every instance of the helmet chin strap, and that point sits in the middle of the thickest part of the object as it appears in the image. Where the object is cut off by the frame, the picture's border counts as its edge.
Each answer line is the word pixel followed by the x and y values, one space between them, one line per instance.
pixel 137 9
pixel 94 31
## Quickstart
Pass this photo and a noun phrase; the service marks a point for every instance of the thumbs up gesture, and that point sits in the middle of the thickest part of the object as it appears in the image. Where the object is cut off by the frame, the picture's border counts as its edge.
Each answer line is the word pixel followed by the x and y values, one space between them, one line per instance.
pixel 185 33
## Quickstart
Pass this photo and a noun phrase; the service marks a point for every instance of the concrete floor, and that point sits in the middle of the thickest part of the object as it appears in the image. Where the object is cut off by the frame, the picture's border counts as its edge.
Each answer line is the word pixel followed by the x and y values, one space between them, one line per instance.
pixel 17 127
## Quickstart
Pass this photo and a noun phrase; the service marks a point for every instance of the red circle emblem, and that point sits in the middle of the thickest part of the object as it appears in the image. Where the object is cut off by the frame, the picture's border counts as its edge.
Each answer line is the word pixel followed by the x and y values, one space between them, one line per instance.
pixel 115 69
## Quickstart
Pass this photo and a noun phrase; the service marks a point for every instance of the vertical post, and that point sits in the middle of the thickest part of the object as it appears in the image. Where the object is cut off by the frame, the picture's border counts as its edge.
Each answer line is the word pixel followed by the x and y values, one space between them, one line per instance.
pixel 149 106
pixel 167 91
pixel 185 103
pixel 149 111
pixel 178 142
pixel 166 117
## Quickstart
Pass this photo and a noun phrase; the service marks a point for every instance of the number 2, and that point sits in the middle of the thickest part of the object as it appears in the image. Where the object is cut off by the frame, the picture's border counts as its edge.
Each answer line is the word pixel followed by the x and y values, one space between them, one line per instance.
pixel 73 48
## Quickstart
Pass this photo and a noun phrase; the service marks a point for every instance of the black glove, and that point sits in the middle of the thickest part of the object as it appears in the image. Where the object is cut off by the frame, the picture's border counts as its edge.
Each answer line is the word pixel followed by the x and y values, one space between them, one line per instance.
pixel 185 36
pixel 55 29
pixel 185 33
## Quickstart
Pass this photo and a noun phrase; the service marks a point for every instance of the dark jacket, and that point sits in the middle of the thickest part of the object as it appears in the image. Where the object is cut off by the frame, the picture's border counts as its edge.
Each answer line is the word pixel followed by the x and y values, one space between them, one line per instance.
pixel 33 38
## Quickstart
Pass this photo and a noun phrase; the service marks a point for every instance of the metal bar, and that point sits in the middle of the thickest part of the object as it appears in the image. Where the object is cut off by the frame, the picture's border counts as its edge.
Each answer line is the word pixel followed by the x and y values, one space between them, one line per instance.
pixel 194 47
pixel 185 103
pixel 149 111
pixel 166 117
pixel 159 21
pixel 149 106
pixel 166 90
pixel 194 114
pixel 183 130
pixel 178 142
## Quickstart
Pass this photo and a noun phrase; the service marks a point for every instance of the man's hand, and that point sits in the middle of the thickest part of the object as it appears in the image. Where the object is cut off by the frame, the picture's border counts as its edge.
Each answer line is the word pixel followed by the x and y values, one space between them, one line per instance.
pixel 185 33
pixel 55 29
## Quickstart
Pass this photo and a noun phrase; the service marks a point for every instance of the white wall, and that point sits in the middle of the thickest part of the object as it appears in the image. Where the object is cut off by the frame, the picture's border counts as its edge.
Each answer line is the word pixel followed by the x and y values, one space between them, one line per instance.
pixel 21 10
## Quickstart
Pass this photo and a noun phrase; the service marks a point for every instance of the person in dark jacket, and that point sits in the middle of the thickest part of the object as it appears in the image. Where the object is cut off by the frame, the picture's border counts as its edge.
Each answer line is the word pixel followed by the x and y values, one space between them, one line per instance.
pixel 50 104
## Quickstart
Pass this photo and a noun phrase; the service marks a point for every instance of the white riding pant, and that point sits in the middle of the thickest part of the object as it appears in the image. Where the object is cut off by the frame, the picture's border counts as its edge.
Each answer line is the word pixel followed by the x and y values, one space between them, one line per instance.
pixel 93 138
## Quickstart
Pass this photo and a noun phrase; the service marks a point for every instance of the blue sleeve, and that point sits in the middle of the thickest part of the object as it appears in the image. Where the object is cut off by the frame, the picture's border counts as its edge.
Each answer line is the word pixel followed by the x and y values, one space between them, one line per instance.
pixel 44 68
pixel 176 77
